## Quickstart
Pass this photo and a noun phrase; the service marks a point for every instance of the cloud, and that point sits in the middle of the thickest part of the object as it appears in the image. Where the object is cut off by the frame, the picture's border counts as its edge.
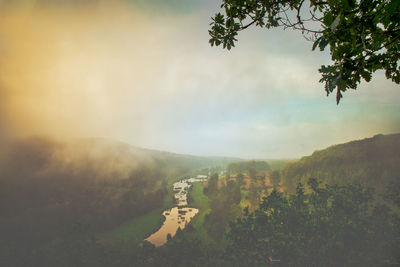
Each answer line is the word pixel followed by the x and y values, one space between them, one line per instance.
pixel 120 72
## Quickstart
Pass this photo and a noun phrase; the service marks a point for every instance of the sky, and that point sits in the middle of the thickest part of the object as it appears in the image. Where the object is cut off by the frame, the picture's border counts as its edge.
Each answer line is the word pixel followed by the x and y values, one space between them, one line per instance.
pixel 143 72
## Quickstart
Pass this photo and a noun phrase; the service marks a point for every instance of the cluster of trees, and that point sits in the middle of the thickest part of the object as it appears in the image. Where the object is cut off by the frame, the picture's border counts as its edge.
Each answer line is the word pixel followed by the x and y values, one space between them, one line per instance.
pixel 331 226
pixel 224 200
pixel 256 186
pixel 225 195
pixel 275 178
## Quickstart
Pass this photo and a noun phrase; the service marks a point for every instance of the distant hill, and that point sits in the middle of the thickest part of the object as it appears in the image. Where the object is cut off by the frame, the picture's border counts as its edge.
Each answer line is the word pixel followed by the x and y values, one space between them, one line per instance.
pixel 106 158
pixel 374 162
pixel 245 166
pixel 172 161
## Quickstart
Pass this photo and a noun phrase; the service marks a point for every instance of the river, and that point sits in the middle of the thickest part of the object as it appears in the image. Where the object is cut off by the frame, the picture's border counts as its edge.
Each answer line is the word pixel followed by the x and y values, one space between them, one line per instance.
pixel 179 216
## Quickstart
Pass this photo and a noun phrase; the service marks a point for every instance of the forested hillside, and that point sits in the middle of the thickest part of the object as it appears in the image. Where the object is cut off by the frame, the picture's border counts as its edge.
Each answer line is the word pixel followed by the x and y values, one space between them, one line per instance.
pixel 373 162
pixel 54 193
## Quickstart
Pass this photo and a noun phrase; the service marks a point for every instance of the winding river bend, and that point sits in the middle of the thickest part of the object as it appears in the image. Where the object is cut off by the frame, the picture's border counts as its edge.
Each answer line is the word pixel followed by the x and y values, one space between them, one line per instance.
pixel 179 216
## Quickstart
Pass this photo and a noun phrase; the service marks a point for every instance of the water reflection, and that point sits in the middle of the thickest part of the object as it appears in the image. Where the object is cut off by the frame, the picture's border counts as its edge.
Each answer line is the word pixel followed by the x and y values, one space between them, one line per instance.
pixel 173 220
pixel 178 216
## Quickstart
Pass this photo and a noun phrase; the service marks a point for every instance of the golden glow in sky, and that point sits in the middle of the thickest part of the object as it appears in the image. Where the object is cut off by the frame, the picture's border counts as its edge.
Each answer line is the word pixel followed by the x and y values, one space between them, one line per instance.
pixel 150 79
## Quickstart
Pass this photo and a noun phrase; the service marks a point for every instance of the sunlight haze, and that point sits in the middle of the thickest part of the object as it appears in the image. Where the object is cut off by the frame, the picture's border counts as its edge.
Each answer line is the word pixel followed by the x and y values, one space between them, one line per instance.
pixel 143 72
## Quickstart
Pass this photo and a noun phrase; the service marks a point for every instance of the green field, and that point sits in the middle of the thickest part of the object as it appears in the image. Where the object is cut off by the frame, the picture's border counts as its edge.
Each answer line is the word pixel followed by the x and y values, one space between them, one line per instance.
pixel 199 201
pixel 135 230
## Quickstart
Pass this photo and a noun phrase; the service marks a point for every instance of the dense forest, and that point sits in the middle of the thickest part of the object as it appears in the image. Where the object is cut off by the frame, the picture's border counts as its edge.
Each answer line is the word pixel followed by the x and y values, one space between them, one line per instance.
pixel 373 162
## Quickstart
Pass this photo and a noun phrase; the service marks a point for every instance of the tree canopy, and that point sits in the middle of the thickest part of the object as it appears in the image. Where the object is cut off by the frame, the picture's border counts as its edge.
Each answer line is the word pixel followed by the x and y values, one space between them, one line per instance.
pixel 331 226
pixel 363 35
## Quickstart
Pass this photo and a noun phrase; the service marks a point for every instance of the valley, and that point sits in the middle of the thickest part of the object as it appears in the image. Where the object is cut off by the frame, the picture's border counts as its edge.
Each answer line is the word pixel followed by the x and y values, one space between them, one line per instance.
pixel 154 208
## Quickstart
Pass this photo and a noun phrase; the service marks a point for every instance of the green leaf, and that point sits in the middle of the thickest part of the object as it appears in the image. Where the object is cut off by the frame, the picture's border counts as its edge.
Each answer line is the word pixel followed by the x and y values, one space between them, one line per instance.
pixel 366 75
pixel 316 43
pixel 328 19
pixel 323 43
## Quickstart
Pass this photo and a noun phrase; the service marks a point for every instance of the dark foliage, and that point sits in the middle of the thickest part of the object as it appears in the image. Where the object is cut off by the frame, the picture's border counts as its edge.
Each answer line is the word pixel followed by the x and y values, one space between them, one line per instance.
pixel 332 226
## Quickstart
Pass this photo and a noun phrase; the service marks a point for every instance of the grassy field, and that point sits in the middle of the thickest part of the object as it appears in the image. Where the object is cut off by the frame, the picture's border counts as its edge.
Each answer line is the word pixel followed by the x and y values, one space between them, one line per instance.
pixel 199 201
pixel 135 230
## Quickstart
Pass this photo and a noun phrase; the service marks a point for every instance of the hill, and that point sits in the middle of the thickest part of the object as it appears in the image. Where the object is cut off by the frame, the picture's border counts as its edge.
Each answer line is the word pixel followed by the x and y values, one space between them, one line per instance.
pixel 373 162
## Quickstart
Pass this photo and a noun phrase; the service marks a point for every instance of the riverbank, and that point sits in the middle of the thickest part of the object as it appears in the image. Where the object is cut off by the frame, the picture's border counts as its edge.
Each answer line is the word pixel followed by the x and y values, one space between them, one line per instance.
pixel 137 229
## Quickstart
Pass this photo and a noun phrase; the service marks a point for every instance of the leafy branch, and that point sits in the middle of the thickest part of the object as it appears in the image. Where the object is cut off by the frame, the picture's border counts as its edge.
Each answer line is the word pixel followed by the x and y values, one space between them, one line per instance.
pixel 363 36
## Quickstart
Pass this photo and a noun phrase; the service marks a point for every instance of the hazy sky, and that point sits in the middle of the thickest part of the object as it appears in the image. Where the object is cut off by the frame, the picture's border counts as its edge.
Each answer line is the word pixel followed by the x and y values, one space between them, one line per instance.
pixel 143 72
